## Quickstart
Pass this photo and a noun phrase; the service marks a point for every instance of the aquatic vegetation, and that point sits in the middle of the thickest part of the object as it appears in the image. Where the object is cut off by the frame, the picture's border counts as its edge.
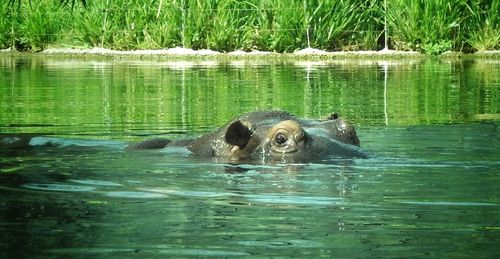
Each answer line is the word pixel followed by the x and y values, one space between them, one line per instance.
pixel 272 25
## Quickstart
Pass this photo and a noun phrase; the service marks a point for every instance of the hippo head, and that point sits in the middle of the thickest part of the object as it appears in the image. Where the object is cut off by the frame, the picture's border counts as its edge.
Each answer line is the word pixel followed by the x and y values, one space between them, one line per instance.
pixel 286 137
pixel 290 139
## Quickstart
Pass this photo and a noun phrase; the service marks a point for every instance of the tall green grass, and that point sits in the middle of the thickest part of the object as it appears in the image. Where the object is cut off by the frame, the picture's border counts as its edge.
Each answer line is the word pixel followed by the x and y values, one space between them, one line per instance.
pixel 484 22
pixel 7 25
pixel 440 25
pixel 430 26
pixel 34 25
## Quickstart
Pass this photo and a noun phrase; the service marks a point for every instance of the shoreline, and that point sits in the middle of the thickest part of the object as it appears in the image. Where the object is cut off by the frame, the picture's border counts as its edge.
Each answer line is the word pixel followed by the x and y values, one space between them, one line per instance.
pixel 185 53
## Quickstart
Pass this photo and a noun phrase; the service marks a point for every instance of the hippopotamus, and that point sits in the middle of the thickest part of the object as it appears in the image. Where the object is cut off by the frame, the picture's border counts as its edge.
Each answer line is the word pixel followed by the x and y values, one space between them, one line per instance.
pixel 271 136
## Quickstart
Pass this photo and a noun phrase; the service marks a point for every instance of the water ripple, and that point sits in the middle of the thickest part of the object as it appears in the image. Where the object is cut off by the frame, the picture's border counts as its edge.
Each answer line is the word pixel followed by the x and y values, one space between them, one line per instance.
pixel 448 203
pixel 136 195
pixel 261 198
pixel 95 182
pixel 58 187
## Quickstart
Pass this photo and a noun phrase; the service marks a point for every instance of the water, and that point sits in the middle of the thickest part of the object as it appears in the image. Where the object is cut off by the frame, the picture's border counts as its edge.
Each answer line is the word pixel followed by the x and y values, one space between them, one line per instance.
pixel 431 188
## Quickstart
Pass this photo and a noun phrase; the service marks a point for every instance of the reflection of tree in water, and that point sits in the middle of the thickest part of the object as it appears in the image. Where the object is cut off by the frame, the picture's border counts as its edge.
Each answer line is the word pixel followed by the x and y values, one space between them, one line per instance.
pixel 244 204
pixel 34 221
pixel 33 224
pixel 285 195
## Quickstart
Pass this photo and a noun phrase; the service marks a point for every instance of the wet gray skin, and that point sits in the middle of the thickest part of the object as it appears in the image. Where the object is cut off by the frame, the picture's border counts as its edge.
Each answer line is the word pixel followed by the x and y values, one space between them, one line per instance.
pixel 272 135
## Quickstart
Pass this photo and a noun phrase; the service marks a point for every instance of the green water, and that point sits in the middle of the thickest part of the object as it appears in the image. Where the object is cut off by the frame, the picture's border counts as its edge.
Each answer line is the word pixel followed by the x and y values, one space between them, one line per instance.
pixel 431 188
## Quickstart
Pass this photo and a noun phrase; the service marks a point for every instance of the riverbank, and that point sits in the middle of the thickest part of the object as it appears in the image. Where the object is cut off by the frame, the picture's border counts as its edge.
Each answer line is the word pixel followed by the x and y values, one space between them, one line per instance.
pixel 430 27
pixel 185 53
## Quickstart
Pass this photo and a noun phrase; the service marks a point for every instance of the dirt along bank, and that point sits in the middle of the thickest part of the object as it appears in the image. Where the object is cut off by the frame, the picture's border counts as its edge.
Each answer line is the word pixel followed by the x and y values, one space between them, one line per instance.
pixel 204 54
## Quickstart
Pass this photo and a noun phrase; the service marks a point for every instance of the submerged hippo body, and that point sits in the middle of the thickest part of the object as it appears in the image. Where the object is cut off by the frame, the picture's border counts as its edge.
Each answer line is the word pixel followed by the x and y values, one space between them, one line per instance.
pixel 271 135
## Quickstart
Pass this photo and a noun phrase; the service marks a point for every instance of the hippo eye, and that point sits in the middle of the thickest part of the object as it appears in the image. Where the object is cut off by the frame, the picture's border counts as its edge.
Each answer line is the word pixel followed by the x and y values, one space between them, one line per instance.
pixel 280 139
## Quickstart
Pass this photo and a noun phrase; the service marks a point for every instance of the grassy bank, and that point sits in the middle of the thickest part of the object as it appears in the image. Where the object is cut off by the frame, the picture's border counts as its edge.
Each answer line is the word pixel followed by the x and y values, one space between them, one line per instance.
pixel 270 25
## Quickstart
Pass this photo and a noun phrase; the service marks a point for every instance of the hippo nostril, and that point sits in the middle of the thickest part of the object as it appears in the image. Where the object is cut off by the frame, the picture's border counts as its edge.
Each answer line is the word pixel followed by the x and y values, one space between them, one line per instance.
pixel 333 116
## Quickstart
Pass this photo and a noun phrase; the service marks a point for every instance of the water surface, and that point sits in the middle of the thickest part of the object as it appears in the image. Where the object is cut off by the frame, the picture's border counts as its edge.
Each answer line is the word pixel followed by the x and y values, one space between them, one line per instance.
pixel 431 188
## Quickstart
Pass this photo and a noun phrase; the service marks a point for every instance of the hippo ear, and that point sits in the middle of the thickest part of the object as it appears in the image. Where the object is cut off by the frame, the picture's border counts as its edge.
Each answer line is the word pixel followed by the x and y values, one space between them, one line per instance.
pixel 238 134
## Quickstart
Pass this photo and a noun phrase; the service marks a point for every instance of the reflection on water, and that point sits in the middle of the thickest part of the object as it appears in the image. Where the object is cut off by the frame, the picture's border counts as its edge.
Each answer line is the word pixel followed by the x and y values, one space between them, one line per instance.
pixel 71 96
pixel 431 188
